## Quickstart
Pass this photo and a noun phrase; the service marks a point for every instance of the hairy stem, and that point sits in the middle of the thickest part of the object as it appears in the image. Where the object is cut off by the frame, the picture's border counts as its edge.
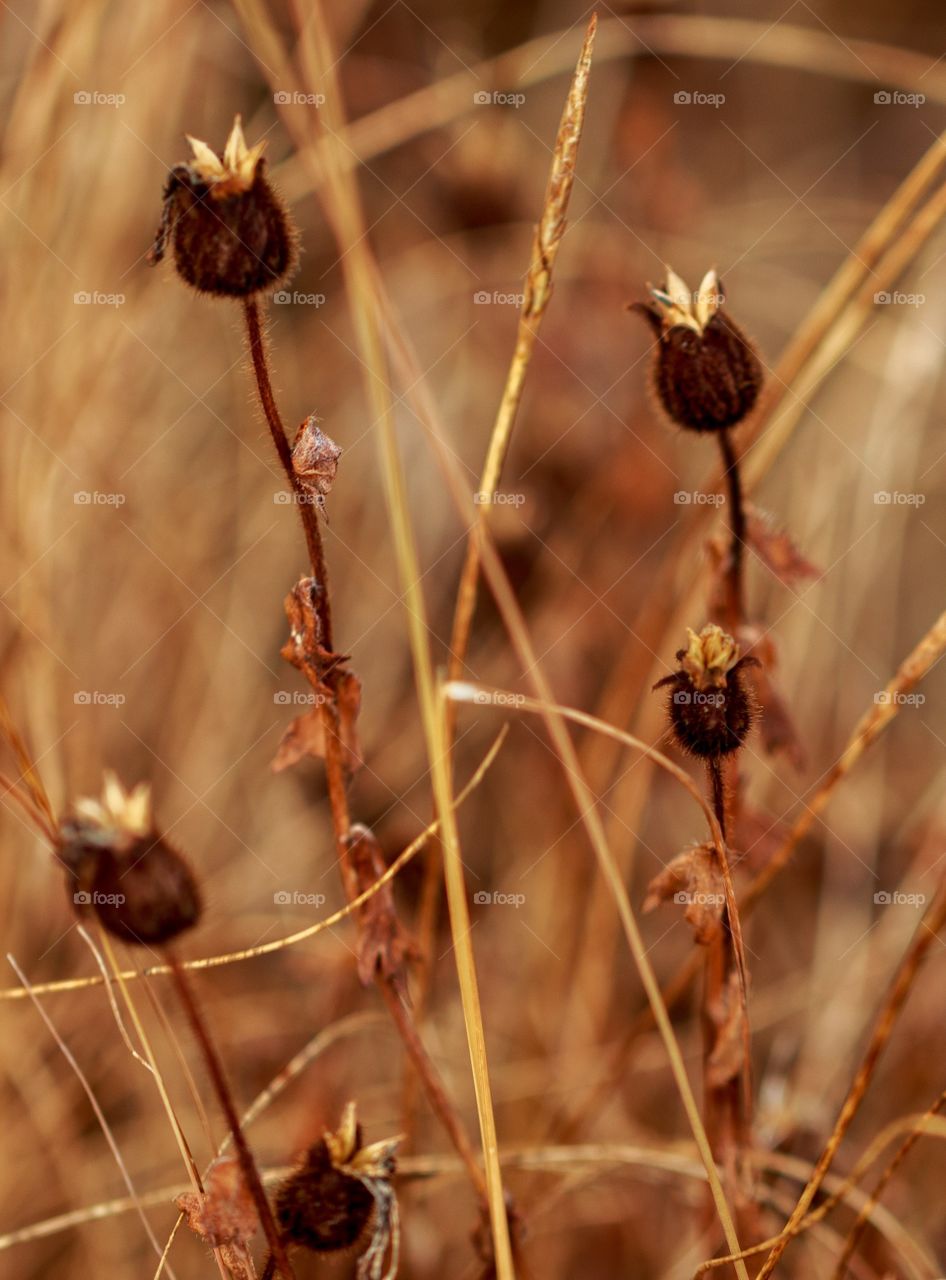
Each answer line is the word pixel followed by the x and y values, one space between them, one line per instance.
pixel 335 765
pixel 307 511
pixel 735 574
pixel 727 1104
pixel 251 1176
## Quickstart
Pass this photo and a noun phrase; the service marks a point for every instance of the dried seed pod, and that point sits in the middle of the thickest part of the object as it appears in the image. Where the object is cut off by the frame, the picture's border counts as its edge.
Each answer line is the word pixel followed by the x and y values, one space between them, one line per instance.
pixel 711 708
pixel 315 459
pixel 229 231
pixel 341 1196
pixel 706 374
pixel 120 868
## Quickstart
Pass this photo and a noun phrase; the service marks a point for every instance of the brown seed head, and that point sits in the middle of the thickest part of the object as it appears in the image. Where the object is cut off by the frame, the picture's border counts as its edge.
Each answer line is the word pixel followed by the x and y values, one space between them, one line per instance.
pixel 706 374
pixel 710 706
pixel 340 1193
pixel 120 868
pixel 230 233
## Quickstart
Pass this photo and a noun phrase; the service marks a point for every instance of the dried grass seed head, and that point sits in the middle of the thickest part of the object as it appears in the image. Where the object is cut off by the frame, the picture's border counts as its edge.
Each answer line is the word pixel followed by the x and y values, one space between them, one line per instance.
pixel 229 231
pixel 123 871
pixel 706 374
pixel 711 707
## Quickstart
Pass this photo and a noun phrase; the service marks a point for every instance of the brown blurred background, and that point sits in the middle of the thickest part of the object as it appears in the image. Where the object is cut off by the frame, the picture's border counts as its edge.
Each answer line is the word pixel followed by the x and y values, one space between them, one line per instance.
pixel 145 556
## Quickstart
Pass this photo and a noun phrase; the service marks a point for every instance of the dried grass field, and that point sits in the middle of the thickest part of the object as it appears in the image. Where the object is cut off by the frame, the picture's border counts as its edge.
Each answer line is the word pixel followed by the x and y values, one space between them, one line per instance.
pixel 345 531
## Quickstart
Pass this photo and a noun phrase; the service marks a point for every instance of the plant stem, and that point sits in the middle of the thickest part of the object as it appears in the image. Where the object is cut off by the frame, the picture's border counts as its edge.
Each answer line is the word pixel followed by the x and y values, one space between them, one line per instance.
pixel 735 575
pixel 436 1094
pixel 727 1105
pixel 335 766
pixel 307 511
pixel 221 1086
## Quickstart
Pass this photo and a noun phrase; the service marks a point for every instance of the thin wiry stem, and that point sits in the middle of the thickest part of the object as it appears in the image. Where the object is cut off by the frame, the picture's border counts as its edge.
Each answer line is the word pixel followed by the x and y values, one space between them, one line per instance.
pixel 251 1176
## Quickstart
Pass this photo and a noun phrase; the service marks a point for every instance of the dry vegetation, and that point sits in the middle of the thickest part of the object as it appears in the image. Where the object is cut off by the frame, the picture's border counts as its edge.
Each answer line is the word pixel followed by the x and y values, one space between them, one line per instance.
pixel 458 325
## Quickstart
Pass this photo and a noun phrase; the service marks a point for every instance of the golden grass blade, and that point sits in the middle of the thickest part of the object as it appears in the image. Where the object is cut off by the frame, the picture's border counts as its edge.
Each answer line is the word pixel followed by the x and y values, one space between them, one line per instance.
pixel 538 290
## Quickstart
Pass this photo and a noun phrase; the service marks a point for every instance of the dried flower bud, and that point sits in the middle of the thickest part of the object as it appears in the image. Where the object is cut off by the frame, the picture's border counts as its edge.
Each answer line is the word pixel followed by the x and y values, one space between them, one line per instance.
pixel 121 869
pixel 711 709
pixel 230 233
pixel 315 460
pixel 706 374
pixel 341 1195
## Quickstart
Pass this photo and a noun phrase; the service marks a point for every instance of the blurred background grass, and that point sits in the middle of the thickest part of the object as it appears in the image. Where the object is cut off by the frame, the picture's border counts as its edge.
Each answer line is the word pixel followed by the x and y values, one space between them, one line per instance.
pixel 140 628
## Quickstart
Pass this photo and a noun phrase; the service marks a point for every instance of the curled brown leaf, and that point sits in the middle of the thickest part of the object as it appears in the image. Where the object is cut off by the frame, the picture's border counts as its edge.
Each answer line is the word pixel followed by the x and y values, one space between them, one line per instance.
pixel 694 881
pixel 384 946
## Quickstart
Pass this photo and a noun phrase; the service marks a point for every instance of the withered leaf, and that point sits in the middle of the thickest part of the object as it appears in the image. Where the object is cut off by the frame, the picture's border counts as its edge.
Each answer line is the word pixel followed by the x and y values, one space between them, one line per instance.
pixel 225 1213
pixel 727 1057
pixel 384 946
pixel 305 735
pixel 692 880
pixel 776 549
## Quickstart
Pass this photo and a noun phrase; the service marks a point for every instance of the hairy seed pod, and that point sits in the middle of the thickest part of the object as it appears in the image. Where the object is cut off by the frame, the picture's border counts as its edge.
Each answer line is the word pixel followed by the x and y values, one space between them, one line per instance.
pixel 122 871
pixel 711 708
pixel 321 1208
pixel 706 375
pixel 340 1197
pixel 229 231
